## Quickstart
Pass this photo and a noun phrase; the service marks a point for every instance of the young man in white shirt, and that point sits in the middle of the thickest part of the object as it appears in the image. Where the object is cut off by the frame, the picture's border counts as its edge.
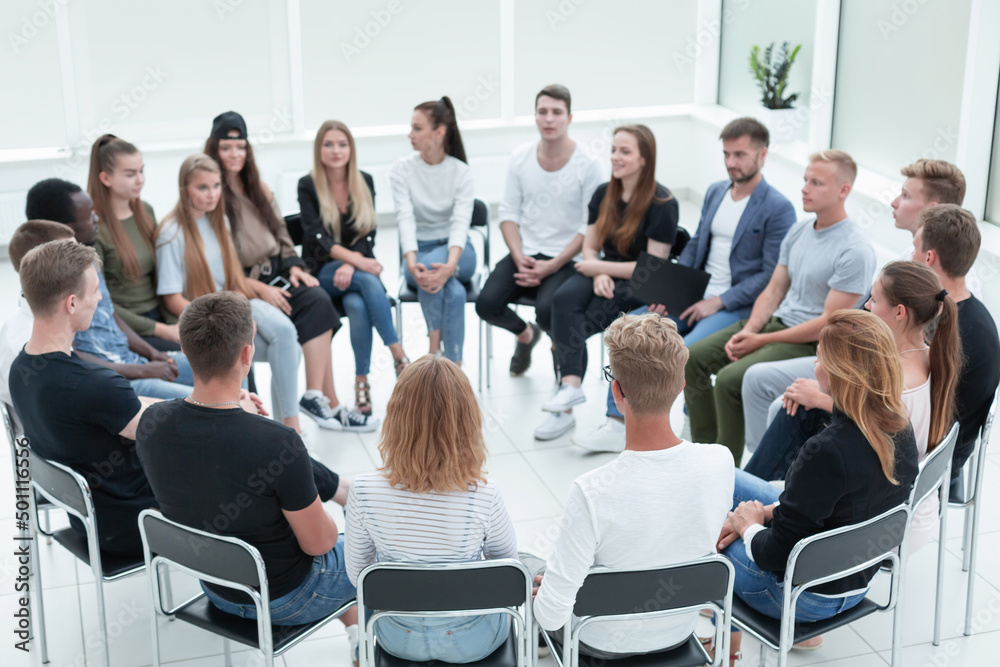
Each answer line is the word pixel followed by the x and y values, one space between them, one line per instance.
pixel 655 505
pixel 543 219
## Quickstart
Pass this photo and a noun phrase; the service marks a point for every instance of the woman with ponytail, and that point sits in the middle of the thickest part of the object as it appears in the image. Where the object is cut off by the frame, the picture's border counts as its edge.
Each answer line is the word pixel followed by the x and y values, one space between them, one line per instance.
pixel 273 269
pixel 630 214
pixel 861 465
pixel 923 320
pixel 434 197
pixel 195 256
pixel 337 204
pixel 125 241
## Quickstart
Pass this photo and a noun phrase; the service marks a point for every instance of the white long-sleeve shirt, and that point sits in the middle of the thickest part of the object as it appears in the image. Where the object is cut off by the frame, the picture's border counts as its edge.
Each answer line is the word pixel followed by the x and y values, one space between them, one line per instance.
pixel 549 207
pixel 433 201
pixel 389 524
pixel 642 510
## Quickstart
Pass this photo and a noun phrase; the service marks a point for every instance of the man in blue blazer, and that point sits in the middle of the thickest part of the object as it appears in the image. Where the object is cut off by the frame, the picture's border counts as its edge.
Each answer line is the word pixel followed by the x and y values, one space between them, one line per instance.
pixel 743 221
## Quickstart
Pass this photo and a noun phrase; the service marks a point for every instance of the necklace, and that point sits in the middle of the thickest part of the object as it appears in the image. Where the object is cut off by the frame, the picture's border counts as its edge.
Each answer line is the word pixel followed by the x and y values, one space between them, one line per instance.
pixel 213 405
pixel 915 349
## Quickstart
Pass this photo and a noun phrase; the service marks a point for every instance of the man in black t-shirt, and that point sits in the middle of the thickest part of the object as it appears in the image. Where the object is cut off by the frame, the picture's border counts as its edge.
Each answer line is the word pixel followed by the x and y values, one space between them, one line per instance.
pixel 947 240
pixel 216 465
pixel 77 413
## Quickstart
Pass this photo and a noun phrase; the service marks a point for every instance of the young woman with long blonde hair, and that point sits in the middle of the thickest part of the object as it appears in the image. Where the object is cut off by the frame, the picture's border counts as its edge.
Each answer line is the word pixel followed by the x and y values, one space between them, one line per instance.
pixel 195 255
pixel 864 463
pixel 431 502
pixel 337 204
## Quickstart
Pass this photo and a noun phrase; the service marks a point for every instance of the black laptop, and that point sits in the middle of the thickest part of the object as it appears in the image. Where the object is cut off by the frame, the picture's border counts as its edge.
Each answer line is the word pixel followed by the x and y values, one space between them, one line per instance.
pixel 662 281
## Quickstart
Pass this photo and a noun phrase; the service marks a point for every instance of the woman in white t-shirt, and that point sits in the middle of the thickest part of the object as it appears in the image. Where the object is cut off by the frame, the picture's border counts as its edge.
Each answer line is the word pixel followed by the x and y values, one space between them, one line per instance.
pixel 412 511
pixel 434 198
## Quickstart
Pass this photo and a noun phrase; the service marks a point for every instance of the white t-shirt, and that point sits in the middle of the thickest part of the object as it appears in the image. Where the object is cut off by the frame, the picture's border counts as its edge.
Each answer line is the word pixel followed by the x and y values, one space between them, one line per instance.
pixel 549 207
pixel 433 201
pixel 918 405
pixel 642 510
pixel 13 337
pixel 724 224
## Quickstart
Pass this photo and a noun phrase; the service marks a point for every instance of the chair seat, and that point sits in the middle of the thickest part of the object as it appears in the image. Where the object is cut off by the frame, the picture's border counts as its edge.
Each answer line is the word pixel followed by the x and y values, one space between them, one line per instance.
pixel 770 628
pixel 409 295
pixel 504 656
pixel 113 566
pixel 202 613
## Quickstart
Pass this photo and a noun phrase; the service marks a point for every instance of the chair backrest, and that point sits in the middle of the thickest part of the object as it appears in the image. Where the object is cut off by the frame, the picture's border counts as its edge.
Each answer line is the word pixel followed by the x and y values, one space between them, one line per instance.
pixel 9 425
pixel 293 222
pixel 934 468
pixel 680 241
pixel 415 587
pixel 627 592
pixel 65 487
pixel 843 551
pixel 984 433
pixel 480 213
pixel 225 559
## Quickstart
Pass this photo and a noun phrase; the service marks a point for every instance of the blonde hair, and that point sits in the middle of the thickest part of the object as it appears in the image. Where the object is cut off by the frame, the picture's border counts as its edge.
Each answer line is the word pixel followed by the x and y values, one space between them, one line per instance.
pixel 432 436
pixel 647 358
pixel 843 163
pixel 199 280
pixel 859 355
pixel 943 182
pixel 362 206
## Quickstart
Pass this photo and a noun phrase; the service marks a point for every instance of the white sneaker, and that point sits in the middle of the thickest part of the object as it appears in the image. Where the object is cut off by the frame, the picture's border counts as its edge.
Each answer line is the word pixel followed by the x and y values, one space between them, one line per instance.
pixel 555 424
pixel 608 437
pixel 565 398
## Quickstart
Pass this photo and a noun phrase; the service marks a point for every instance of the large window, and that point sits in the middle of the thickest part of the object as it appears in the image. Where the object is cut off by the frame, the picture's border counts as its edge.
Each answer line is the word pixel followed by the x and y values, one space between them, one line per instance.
pixel 993 193
pixel 900 69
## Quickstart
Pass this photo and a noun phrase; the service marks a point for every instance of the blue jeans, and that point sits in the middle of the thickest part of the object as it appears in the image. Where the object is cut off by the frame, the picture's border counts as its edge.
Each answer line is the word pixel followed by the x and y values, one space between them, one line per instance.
pixel 454 640
pixel 763 591
pixel 325 590
pixel 783 440
pixel 156 388
pixel 692 335
pixel 444 311
pixel 365 304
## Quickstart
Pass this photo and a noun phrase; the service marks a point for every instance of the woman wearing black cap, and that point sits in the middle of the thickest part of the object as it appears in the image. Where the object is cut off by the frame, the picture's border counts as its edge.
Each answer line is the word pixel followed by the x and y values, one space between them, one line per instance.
pixel 274 270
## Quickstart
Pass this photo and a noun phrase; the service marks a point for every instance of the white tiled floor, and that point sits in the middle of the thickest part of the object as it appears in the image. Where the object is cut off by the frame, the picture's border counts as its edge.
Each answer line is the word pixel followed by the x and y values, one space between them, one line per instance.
pixel 535 478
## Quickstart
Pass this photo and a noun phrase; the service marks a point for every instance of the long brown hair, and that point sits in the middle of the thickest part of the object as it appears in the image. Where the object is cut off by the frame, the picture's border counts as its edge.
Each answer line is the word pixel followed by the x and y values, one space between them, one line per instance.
pixel 199 276
pixel 432 436
pixel 441 113
pixel 918 288
pixel 609 219
pixel 362 206
pixel 103 157
pixel 250 178
pixel 859 354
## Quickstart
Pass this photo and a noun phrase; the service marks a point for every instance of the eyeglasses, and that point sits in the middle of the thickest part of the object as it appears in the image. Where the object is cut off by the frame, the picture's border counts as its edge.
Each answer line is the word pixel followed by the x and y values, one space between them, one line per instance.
pixel 611 378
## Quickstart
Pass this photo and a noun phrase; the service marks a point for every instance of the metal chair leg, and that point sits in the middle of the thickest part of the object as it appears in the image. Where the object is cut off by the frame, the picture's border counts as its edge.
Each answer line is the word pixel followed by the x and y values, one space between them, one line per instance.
pixel 966 536
pixel 227 652
pixel 970 554
pixel 35 590
pixel 942 533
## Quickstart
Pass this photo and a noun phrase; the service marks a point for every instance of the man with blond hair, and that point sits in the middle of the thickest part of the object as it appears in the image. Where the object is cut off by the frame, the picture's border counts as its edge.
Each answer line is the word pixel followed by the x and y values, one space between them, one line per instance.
pixel 825 264
pixel 680 488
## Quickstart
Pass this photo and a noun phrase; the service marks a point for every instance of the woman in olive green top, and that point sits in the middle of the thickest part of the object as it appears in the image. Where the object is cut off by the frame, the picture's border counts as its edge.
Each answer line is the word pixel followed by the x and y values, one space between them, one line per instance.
pixel 125 241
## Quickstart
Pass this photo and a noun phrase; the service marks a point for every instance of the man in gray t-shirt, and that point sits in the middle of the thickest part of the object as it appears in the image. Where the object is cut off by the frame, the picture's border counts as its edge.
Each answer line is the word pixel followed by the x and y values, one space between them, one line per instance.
pixel 825 264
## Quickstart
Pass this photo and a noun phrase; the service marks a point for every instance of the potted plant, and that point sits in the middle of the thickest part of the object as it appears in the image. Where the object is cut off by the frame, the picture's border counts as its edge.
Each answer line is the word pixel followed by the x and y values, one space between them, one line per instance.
pixel 771 69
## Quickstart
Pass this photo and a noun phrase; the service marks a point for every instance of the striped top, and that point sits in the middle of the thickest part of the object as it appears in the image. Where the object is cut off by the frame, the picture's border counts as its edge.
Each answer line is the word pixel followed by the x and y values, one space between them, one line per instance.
pixel 390 524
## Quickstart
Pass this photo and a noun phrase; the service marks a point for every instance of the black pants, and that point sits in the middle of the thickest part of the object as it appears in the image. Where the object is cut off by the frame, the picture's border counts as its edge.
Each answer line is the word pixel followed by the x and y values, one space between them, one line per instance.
pixel 160 344
pixel 578 313
pixel 501 290
pixel 312 312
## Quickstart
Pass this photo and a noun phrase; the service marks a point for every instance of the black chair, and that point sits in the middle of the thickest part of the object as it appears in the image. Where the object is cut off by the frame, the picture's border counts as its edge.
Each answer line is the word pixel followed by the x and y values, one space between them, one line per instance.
pixel 648 594
pixel 966 496
pixel 69 491
pixel 826 557
pixel 224 561
pixel 481 225
pixel 448 590
pixel 935 477
pixel 14 432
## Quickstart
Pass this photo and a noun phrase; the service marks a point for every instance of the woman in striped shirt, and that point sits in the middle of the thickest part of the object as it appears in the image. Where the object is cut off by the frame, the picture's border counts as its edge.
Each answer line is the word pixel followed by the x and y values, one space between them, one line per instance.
pixel 431 502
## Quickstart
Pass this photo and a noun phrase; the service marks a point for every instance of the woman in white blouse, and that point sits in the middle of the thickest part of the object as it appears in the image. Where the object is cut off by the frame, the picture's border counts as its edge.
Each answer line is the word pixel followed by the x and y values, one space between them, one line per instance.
pixel 434 196
pixel 411 511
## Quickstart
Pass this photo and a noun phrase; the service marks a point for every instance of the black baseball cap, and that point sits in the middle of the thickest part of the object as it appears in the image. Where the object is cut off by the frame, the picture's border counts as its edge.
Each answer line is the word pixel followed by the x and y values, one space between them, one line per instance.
pixel 225 123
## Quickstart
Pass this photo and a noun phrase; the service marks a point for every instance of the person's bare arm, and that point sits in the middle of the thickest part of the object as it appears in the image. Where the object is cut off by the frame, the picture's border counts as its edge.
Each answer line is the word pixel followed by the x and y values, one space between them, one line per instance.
pixel 315 530
pixel 808 331
pixel 131 428
pixel 769 299
pixel 135 341
pixel 175 303
pixel 512 237
pixel 163 370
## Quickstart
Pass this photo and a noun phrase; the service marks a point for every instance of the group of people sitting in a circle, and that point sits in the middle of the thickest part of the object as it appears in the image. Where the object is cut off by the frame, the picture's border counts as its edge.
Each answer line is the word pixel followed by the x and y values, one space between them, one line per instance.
pixel 145 332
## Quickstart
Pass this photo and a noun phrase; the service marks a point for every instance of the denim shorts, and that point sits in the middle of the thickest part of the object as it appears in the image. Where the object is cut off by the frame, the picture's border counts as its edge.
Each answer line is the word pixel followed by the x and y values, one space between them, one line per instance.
pixel 326 588
pixel 455 640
